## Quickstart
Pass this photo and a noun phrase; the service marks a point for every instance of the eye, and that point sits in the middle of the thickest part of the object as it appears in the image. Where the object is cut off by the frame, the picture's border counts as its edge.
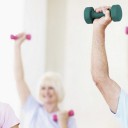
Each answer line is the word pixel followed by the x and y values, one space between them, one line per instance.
pixel 51 88
pixel 42 88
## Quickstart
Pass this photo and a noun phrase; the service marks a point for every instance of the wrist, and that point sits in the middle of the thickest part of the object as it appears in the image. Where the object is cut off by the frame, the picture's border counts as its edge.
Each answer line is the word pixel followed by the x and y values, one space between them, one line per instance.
pixel 17 45
pixel 98 29
pixel 63 124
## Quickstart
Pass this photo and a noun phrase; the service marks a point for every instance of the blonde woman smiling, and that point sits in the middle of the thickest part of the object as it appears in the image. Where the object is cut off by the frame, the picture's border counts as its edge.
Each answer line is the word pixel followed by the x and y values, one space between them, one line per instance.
pixel 50 94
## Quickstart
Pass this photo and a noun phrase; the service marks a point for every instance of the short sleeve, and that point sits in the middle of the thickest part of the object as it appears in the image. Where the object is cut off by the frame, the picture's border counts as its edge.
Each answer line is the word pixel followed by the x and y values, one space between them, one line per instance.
pixel 72 123
pixel 122 110
pixel 10 118
pixel 30 104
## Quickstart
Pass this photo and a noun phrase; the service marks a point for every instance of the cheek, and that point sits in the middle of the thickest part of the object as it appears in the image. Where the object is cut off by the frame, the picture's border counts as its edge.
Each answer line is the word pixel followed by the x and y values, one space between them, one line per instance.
pixel 54 94
pixel 41 93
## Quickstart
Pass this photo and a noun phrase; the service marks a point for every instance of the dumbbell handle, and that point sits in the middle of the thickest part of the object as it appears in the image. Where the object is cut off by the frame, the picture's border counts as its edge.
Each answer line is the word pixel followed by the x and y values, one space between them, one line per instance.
pixel 96 15
pixel 70 113
pixel 14 37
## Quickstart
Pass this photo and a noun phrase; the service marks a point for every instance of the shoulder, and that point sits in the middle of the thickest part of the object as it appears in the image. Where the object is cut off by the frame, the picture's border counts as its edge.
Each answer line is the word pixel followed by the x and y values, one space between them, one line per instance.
pixel 32 104
pixel 8 116
pixel 5 106
pixel 6 110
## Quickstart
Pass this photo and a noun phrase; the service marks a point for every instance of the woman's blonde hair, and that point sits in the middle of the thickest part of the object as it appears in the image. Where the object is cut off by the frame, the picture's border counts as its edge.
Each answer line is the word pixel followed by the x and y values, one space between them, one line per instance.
pixel 53 79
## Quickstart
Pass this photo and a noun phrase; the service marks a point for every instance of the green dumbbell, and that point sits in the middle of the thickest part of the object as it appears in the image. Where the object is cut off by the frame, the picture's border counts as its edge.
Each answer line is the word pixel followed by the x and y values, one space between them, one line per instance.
pixel 90 14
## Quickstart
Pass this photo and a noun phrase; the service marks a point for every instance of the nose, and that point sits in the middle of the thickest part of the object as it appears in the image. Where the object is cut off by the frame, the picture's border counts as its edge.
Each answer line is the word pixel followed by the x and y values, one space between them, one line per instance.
pixel 46 91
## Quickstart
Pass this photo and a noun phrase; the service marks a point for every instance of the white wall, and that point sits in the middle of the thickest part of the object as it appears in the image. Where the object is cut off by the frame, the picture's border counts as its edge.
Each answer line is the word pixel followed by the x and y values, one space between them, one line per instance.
pixel 11 15
pixel 81 93
pixel 17 16
pixel 34 51
pixel 56 37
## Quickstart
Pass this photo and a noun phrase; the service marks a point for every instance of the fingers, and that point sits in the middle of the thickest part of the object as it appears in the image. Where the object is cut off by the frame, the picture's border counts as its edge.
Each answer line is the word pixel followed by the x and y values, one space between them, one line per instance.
pixel 63 112
pixel 100 9
pixel 105 10
pixel 107 14
pixel 21 36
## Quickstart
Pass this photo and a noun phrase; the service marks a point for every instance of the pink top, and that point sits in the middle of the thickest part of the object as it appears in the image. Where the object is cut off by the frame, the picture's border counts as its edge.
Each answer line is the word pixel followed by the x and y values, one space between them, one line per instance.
pixel 8 118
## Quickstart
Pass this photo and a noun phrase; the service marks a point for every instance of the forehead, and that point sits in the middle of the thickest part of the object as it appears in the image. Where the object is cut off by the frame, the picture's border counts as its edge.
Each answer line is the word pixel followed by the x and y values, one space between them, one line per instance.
pixel 47 85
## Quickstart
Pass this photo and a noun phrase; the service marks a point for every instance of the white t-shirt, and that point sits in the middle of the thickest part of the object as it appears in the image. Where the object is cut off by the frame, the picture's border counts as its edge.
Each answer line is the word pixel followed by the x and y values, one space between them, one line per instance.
pixel 35 116
pixel 8 118
pixel 122 110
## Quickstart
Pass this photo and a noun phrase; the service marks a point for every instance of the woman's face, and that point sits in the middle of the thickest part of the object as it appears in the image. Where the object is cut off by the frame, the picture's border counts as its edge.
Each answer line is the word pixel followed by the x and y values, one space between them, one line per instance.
pixel 48 95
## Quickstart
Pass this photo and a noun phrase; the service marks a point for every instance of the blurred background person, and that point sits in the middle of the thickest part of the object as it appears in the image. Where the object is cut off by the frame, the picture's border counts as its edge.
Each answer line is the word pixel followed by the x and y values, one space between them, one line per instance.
pixel 39 112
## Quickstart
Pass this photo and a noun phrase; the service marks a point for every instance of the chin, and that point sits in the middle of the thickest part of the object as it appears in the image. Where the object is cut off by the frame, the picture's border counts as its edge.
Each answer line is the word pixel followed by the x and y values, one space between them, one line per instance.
pixel 49 102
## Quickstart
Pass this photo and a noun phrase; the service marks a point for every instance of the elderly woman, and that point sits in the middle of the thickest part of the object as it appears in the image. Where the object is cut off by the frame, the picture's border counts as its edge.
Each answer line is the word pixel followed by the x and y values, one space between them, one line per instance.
pixel 39 113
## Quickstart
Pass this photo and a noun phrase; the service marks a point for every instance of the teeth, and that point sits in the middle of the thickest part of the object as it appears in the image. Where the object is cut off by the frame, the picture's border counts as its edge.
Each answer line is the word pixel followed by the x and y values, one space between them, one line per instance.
pixel 47 96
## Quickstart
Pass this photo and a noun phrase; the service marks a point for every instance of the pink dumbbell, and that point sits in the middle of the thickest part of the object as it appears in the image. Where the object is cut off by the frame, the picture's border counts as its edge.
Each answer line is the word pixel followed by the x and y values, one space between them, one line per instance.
pixel 126 30
pixel 28 37
pixel 70 113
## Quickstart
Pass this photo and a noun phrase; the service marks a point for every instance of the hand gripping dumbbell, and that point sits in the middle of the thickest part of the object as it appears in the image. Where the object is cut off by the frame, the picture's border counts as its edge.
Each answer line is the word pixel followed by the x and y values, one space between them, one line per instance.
pixel 70 113
pixel 90 14
pixel 14 37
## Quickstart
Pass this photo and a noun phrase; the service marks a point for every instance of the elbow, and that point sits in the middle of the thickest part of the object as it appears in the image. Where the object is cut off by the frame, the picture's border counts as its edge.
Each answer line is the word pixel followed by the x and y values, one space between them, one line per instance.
pixel 19 79
pixel 100 79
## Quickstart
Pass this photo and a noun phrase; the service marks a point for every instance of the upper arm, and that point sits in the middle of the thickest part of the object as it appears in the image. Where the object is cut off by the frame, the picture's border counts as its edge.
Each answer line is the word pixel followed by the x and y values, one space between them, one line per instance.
pixel 23 90
pixel 110 91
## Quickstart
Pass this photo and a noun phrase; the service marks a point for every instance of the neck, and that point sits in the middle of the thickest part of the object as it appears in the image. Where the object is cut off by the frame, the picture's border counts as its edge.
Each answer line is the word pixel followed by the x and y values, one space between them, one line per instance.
pixel 51 107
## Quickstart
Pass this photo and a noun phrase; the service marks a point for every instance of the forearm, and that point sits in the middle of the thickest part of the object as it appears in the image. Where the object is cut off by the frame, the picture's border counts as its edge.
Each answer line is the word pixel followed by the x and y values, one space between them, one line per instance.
pixel 22 86
pixel 19 72
pixel 99 59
